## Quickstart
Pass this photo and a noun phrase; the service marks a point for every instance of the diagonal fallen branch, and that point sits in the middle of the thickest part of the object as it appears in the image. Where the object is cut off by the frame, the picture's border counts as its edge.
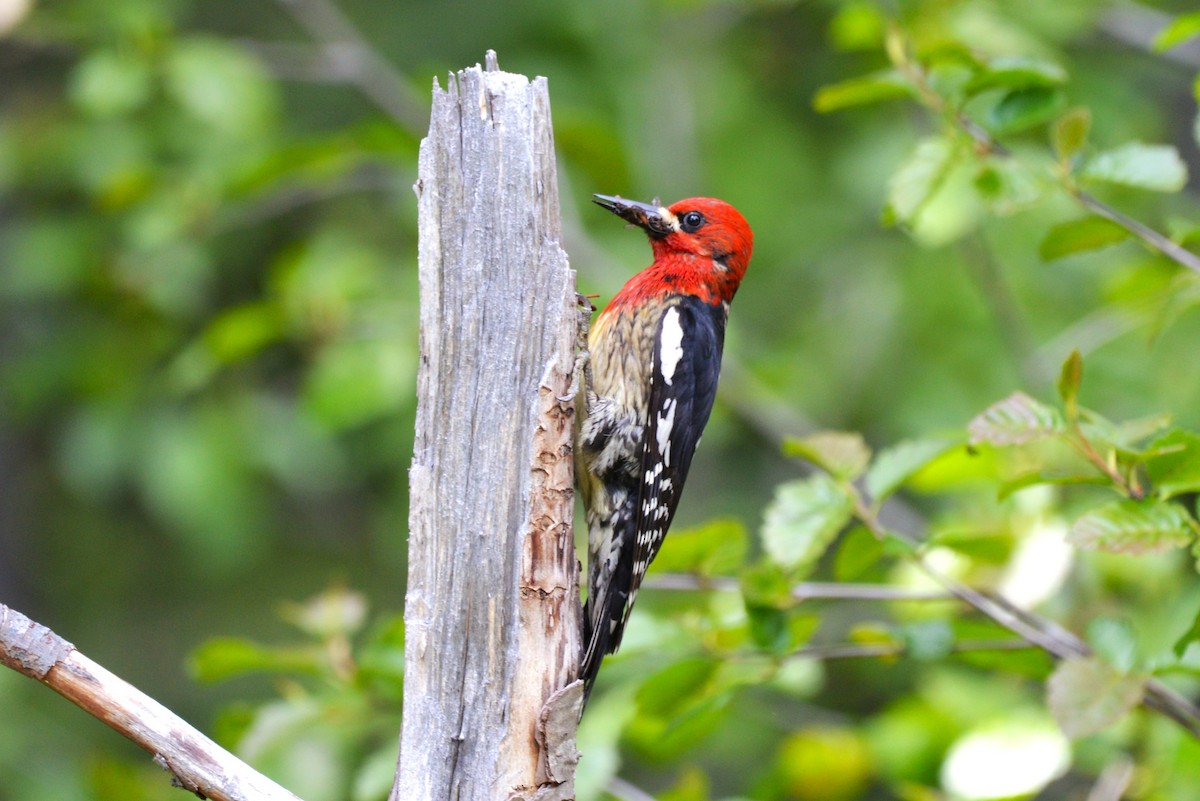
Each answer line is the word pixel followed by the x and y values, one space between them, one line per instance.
pixel 196 763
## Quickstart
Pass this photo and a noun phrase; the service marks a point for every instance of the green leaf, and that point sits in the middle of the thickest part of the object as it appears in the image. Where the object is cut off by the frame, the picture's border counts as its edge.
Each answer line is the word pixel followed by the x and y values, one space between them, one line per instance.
pixel 1079 236
pixel 713 549
pixel 242 331
pixel 1113 639
pixel 373 778
pixel 927 640
pixel 859 551
pixel 1157 168
pixel 765 585
pixel 336 612
pixel 108 83
pixel 1009 185
pixel 1122 437
pixel 1036 477
pixel 840 453
pixel 1014 421
pixel 1176 467
pixel 895 465
pixel 918 178
pixel 1018 72
pixel 676 686
pixel 227 657
pixel 1069 380
pixel 993 546
pixel 1190 636
pixel 221 86
pixel 1087 695
pixel 778 631
pixel 878 86
pixel 858 26
pixel 1178 31
pixel 1133 527
pixel 803 520
pixel 1021 109
pixel 1070 132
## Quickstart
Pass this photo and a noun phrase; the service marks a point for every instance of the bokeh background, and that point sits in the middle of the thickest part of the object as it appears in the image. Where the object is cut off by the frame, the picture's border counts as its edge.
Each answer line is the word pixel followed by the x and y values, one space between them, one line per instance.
pixel 208 342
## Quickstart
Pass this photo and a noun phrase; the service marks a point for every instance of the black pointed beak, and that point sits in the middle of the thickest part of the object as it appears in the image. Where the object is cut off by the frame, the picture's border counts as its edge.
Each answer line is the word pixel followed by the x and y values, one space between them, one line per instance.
pixel 644 215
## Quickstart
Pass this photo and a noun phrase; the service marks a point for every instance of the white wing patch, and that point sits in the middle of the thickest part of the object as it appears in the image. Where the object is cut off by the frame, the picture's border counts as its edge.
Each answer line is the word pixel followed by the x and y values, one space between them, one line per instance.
pixel 666 421
pixel 670 344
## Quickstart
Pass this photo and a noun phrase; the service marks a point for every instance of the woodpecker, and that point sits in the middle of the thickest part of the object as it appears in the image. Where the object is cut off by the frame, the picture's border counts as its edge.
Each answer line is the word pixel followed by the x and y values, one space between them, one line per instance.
pixel 655 355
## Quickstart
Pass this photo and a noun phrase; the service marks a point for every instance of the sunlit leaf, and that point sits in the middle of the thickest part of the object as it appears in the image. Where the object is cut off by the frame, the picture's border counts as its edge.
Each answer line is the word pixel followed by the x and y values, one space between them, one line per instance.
pixel 895 465
pixel 335 612
pixel 1133 527
pixel 765 584
pixel 227 657
pixel 1088 695
pixel 243 331
pixel 1020 109
pixel 857 26
pixel 859 551
pixel 802 521
pixel 1178 31
pixel 221 86
pixel 1126 436
pixel 1176 468
pixel 715 548
pixel 1014 421
pixel 873 88
pixel 843 454
pixel 824 762
pixel 1018 72
pixel 1080 236
pixel 1158 168
pixel 1009 185
pixel 1070 132
pixel 919 177
pixel 1190 636
pixel 676 686
pixel 109 83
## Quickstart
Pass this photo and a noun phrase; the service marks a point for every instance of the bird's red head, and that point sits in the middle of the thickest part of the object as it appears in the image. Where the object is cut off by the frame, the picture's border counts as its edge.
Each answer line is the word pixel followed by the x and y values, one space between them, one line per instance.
pixel 701 245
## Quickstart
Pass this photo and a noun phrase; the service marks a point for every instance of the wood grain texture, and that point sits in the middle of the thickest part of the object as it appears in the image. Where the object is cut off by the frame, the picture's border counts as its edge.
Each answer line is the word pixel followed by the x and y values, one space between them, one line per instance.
pixel 195 762
pixel 492 607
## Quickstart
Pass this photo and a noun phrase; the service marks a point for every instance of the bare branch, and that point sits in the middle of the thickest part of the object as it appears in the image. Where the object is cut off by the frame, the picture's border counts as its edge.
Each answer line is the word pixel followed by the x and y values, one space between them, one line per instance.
pixel 803 591
pixel 885 649
pixel 346 53
pixel 626 791
pixel 196 763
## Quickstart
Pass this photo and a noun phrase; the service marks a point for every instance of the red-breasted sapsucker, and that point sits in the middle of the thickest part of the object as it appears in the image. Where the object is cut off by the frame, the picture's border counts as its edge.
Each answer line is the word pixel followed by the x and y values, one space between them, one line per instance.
pixel 655 354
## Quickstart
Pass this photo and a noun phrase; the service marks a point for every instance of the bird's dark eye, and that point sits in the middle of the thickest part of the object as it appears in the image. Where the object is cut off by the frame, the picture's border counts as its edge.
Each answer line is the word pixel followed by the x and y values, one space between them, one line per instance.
pixel 691 221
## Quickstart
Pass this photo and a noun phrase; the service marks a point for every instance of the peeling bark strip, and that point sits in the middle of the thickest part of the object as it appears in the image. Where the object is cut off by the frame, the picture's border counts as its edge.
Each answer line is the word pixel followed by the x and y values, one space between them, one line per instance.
pixel 492 610
pixel 196 763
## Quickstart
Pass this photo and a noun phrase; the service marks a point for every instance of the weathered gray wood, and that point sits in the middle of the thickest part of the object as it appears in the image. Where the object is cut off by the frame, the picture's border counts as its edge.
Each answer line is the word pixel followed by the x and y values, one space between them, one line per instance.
pixel 195 762
pixel 492 611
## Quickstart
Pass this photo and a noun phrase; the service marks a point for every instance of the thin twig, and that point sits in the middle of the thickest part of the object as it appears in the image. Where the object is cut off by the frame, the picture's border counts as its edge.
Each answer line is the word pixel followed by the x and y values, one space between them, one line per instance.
pixel 803 591
pixel 626 791
pixel 997 295
pixel 350 55
pixel 987 144
pixel 883 649
pixel 1059 642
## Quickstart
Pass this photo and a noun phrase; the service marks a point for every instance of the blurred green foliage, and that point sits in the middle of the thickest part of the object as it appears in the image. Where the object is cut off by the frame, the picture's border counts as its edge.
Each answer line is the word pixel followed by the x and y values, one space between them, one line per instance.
pixel 208 328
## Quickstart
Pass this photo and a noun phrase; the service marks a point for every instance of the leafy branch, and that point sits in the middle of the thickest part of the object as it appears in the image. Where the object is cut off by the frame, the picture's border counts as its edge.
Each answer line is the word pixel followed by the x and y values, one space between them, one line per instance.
pixel 1012 95
pixel 1145 462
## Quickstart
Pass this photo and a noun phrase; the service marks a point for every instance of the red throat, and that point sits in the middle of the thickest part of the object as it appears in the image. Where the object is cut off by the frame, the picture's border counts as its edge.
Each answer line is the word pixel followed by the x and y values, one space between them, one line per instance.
pixel 708 263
